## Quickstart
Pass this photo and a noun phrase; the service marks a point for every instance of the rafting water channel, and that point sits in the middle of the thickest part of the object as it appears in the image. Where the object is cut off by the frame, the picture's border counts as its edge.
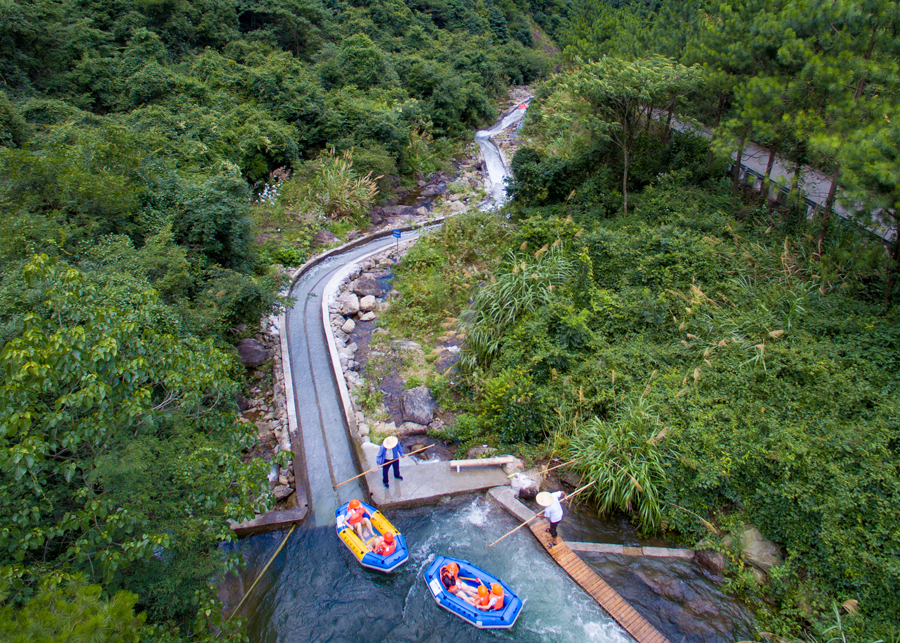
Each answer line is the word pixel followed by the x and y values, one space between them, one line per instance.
pixel 315 590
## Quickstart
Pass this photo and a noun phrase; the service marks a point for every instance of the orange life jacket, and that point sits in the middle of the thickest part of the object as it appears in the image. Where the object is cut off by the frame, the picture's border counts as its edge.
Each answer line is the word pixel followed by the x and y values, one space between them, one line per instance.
pixel 450 581
pixel 498 604
pixel 355 516
pixel 483 600
pixel 386 549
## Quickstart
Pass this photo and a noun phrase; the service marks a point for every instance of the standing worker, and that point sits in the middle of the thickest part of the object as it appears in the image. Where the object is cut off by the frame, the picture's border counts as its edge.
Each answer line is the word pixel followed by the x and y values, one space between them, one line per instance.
pixel 553 510
pixel 389 454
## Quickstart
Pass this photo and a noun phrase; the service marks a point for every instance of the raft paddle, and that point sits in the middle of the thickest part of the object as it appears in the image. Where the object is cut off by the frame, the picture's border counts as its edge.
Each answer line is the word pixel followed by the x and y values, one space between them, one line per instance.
pixel 577 491
pixel 381 465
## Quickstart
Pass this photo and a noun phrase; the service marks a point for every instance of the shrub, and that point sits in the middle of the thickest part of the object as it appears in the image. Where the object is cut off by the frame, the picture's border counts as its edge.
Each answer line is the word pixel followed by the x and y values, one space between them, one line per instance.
pixel 624 458
pixel 330 187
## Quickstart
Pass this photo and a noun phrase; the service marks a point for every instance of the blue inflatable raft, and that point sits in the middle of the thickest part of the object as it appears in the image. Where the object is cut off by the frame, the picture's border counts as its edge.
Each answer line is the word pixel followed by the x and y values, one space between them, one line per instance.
pixel 360 549
pixel 502 619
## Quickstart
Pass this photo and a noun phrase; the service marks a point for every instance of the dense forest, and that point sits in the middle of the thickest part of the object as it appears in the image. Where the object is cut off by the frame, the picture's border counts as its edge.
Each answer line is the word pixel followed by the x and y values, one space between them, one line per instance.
pixel 135 139
pixel 711 358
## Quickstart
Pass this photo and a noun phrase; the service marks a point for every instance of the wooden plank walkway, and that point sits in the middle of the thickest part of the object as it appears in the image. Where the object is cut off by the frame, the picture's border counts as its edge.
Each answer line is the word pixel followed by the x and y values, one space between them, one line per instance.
pixel 609 599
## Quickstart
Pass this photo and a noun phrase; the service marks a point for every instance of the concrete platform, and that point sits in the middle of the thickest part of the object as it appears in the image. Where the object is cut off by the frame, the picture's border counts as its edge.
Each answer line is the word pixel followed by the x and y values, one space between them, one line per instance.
pixel 269 521
pixel 622 550
pixel 427 481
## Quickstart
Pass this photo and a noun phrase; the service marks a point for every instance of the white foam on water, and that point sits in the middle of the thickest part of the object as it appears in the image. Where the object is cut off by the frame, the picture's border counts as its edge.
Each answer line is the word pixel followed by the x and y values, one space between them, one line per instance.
pixel 604 632
pixel 477 513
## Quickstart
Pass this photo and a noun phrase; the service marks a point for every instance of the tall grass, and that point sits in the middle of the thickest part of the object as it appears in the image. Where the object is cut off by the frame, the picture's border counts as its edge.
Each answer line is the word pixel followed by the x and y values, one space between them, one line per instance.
pixel 330 187
pixel 625 459
pixel 522 284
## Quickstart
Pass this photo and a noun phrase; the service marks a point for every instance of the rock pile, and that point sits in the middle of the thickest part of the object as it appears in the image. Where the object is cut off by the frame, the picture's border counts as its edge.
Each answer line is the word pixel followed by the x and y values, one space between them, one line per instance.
pixel 361 299
pixel 266 406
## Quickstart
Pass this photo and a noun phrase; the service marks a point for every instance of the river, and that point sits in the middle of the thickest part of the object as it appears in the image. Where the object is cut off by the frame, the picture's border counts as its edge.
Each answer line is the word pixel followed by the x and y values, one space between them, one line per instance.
pixel 316 591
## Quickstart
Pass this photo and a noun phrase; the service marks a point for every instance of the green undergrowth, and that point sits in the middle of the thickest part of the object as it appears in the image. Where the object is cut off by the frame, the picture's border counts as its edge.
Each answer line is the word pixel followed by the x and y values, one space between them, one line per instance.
pixel 704 364
pixel 438 275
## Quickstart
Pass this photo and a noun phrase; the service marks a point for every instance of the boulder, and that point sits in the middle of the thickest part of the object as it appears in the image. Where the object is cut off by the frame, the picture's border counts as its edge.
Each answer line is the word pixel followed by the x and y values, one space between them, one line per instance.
pixel 363 429
pixel 282 491
pixel 712 560
pixel 405 345
pixel 434 189
pixel 367 285
pixel 524 486
pixel 366 316
pixel 456 206
pixel 411 428
pixel 480 452
pixel 325 238
pixel 349 326
pixel 376 218
pixel 569 477
pixel 509 468
pixel 252 352
pixel 400 211
pixel 417 405
pixel 759 552
pixel 422 212
pixel 367 304
pixel 349 304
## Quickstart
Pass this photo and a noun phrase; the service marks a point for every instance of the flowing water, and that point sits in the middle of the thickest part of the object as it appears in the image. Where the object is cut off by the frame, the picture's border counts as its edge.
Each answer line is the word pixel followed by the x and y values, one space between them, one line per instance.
pixel 496 168
pixel 316 591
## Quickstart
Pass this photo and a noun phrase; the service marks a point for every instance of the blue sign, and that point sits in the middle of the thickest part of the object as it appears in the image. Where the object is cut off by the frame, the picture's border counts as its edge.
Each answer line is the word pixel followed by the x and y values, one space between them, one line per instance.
pixel 396 234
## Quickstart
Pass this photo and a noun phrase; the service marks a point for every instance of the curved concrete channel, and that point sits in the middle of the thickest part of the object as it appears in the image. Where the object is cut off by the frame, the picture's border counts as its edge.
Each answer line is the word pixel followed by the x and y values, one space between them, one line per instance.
pixel 329 453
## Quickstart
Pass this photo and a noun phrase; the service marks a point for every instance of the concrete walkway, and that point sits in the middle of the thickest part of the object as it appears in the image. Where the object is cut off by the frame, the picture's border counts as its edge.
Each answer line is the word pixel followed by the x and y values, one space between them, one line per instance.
pixel 625 550
pixel 426 481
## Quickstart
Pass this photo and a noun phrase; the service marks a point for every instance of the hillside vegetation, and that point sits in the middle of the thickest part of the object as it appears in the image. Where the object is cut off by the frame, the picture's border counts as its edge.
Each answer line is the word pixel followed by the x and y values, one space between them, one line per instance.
pixel 711 360
pixel 135 140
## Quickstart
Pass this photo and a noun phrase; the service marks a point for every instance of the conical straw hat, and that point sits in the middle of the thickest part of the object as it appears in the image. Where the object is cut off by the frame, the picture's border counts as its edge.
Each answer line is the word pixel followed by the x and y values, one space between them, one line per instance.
pixel 544 499
pixel 390 442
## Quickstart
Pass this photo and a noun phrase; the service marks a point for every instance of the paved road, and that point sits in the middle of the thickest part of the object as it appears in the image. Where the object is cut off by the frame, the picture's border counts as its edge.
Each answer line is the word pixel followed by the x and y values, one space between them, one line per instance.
pixel 814 185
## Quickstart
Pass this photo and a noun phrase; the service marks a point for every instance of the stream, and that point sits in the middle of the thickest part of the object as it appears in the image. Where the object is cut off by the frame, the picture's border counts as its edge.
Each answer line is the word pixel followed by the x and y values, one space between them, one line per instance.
pixel 316 591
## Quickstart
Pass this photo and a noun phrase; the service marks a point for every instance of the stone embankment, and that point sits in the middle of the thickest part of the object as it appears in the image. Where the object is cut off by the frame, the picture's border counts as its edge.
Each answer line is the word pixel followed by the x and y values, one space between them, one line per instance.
pixel 266 406
pixel 360 300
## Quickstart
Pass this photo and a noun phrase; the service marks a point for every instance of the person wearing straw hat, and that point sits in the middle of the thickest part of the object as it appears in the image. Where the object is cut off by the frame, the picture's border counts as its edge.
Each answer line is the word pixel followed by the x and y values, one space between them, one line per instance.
pixel 389 454
pixel 553 510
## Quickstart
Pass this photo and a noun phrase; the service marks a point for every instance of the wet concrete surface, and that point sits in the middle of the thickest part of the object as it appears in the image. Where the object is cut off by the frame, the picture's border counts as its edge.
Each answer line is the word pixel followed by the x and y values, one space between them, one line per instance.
pixel 427 481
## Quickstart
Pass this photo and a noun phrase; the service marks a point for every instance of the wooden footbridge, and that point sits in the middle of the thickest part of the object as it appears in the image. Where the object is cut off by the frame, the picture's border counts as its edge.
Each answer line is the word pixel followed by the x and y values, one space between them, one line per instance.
pixel 609 599
pixel 606 596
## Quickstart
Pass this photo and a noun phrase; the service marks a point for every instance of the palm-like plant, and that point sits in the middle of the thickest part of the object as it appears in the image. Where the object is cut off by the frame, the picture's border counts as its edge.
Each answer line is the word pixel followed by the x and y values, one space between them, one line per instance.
pixel 331 187
pixel 625 459
pixel 522 284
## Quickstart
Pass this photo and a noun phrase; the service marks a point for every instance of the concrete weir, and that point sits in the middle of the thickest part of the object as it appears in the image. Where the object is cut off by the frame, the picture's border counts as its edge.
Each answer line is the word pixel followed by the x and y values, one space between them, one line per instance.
pixel 606 596
pixel 428 481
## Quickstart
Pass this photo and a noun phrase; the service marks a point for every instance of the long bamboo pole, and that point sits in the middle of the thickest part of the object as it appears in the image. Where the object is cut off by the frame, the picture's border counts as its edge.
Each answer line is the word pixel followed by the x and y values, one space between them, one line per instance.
pixel 381 465
pixel 574 493
pixel 541 473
